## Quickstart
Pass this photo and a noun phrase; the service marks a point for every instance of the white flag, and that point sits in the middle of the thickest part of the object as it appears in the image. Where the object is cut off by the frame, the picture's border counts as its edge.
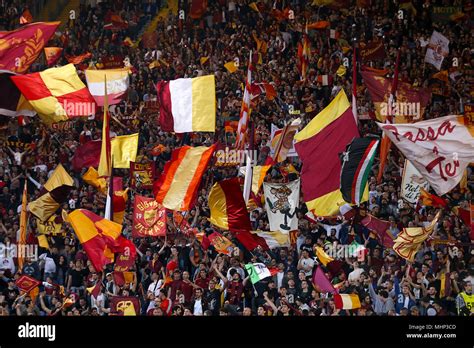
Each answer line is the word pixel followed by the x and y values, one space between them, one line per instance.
pixel 440 149
pixel 438 48
pixel 281 201
pixel 412 182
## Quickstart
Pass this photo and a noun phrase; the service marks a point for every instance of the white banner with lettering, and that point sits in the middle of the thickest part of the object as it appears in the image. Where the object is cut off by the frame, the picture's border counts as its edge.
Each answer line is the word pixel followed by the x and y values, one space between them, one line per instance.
pixel 412 182
pixel 440 148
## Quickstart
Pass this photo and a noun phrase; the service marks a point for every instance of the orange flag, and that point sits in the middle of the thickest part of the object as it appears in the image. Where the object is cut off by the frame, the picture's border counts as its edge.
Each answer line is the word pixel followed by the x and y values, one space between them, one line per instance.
pixel 52 54
pixel 78 59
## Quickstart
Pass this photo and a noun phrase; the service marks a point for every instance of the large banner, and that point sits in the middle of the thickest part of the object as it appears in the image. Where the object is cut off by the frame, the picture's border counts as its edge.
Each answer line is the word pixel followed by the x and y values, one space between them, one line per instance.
pixel 142 175
pixel 438 48
pixel 440 148
pixel 149 218
pixel 412 182
pixel 274 140
pixel 281 201
pixel 445 14
pixel 372 50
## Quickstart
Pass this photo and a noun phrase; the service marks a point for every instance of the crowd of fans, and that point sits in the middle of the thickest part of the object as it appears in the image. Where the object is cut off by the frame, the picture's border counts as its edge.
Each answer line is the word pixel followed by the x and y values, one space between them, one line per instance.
pixel 203 281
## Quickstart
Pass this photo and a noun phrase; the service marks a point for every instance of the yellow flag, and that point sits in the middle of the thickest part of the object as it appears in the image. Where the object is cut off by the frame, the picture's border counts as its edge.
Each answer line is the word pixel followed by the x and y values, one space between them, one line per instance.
pixel 124 150
pixel 231 67
pixel 254 7
pixel 322 256
pixel 92 178
pixel 43 241
pixel 203 60
pixel 341 71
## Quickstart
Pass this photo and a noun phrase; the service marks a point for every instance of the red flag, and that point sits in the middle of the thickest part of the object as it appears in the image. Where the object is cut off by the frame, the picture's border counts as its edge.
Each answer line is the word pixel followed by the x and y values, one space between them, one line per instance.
pixel 26 283
pixel 87 155
pixel 149 218
pixel 20 48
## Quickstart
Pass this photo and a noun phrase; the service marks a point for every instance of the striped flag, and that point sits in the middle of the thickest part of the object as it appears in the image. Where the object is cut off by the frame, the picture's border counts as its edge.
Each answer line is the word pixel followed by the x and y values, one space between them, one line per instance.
pixel 188 105
pixel 245 109
pixel 304 53
pixel 346 301
pixel 117 84
pixel 57 94
pixel 53 194
pixel 98 236
pixel 119 204
pixel 177 186
pixel 356 165
pixel 105 162
pixel 318 146
pixel 227 206
pixel 23 226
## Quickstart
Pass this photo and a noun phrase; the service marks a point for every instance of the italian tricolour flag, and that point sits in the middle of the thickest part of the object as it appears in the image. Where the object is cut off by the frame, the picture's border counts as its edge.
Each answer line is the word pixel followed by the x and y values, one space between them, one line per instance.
pixel 257 272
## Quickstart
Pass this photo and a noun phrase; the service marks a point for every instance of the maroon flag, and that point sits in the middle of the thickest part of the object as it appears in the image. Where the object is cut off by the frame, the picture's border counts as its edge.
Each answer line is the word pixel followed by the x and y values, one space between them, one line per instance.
pixel 380 228
pixel 87 155
pixel 198 8
pixel 320 280
pixel 372 50
pixel 21 47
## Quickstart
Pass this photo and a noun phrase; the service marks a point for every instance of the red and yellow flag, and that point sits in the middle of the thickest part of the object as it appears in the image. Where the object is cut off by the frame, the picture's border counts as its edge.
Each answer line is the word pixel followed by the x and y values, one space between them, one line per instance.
pixel 431 200
pixel 177 186
pixel 21 47
pixel 98 236
pixel 120 199
pixel 57 94
pixel 52 54
pixel 227 206
pixel 319 145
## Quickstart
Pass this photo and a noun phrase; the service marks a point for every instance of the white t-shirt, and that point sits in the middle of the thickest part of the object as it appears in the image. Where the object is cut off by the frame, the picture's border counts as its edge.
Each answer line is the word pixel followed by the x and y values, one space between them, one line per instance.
pixel 197 307
pixel 355 274
pixel 155 287
pixel 307 263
